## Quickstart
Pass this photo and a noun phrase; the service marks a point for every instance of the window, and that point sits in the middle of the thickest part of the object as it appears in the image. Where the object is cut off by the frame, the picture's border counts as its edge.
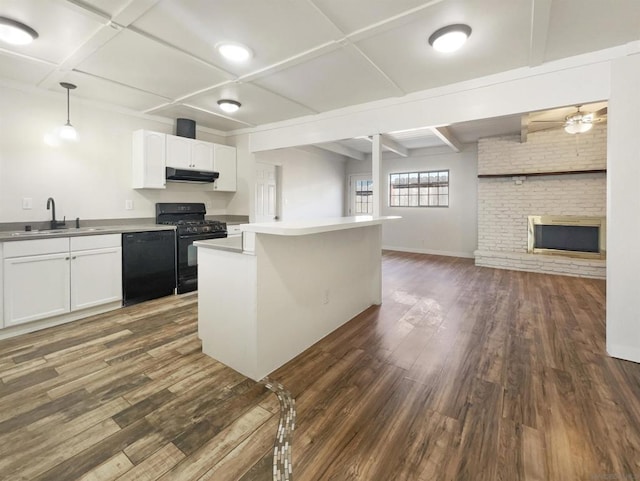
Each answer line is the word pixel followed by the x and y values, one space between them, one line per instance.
pixel 364 197
pixel 419 189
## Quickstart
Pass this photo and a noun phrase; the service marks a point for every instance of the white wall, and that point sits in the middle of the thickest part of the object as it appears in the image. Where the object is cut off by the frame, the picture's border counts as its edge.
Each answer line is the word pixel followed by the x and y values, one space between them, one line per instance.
pixel 312 182
pixel 89 179
pixel 448 231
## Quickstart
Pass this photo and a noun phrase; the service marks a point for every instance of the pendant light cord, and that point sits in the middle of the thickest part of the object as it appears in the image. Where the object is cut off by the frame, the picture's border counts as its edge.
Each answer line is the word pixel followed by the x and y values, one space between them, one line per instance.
pixel 68 118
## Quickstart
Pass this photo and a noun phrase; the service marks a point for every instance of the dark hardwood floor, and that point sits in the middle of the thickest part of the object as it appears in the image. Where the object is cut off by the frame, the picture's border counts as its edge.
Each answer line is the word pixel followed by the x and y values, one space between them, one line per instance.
pixel 463 373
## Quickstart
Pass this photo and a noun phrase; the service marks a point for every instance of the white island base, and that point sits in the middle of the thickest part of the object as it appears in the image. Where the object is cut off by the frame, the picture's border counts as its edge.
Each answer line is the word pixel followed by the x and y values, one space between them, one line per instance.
pixel 257 310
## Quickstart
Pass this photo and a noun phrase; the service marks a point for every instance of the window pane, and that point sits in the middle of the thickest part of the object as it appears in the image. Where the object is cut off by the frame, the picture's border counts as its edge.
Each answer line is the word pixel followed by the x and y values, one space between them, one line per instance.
pixel 413 189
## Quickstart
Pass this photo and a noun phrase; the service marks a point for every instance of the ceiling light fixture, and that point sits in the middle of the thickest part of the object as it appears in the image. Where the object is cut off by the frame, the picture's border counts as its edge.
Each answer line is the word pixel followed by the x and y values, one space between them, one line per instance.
pixel 67 131
pixel 236 52
pixel 16 33
pixel 578 124
pixel 229 106
pixel 450 38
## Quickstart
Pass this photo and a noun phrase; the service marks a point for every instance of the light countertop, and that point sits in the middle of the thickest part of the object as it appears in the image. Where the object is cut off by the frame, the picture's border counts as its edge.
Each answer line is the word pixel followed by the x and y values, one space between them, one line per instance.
pixel 231 244
pixel 9 236
pixel 315 226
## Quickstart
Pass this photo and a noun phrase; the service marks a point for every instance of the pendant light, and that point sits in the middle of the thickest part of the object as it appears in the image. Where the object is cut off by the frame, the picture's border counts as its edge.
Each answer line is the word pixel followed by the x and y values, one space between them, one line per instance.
pixel 67 131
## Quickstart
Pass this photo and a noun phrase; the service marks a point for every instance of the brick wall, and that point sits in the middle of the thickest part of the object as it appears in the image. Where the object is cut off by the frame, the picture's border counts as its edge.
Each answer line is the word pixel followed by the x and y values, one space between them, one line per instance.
pixel 504 204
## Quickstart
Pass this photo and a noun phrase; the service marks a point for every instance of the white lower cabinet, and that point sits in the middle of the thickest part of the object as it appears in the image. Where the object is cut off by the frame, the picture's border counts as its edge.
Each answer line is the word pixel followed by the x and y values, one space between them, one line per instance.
pixel 35 287
pixel 96 277
pixel 50 277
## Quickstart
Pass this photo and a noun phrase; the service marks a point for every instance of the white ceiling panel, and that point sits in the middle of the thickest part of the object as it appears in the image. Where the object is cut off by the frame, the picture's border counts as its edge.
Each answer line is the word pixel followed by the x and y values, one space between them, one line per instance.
pixel 416 138
pixel 23 70
pixel 467 132
pixel 354 15
pixel 135 60
pixel 580 26
pixel 333 80
pixel 95 88
pixel 499 41
pixel 273 29
pixel 259 106
pixel 202 119
pixel 109 7
pixel 61 29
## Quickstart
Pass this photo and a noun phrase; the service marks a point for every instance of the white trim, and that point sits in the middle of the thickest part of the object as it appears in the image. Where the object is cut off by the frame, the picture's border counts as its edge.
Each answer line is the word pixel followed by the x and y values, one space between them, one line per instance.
pixel 415 250
pixel 624 352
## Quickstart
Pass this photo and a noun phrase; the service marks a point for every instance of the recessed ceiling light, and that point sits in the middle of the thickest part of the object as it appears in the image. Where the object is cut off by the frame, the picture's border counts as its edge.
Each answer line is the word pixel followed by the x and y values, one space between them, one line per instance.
pixel 16 33
pixel 450 38
pixel 229 106
pixel 235 52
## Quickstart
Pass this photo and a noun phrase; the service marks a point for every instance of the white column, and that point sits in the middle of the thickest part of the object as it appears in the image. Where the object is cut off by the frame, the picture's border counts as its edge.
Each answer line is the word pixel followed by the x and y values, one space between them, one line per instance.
pixel 376 160
pixel 623 218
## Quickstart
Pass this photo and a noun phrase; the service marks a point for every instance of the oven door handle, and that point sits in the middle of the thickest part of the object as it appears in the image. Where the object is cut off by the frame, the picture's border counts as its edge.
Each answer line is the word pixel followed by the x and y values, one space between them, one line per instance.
pixel 209 235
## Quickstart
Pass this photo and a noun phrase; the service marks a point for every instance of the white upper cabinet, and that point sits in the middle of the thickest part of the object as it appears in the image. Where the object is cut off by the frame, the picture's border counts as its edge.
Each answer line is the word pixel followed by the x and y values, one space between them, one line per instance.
pixel 202 155
pixel 191 154
pixel 224 162
pixel 153 152
pixel 149 153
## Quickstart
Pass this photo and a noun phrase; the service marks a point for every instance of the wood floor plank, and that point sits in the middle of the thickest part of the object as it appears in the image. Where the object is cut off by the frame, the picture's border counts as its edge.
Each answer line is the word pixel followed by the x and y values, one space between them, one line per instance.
pixel 217 448
pixel 155 465
pixel 111 469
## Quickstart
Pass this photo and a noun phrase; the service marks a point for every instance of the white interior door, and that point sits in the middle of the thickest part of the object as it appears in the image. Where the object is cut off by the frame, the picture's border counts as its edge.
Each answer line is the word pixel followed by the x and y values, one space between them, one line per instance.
pixel 360 194
pixel 266 193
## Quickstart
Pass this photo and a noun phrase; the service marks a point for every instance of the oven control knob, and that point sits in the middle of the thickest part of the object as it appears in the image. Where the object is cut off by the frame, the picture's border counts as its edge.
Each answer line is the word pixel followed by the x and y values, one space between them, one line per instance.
pixel 206 229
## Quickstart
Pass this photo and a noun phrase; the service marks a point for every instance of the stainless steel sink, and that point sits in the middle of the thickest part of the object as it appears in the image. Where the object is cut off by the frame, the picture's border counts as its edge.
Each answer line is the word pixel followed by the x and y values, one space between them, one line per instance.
pixel 38 232
pixel 70 231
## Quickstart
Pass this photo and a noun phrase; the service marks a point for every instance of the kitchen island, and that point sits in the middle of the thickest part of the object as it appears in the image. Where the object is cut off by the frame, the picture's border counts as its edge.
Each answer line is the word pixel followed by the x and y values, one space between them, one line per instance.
pixel 284 286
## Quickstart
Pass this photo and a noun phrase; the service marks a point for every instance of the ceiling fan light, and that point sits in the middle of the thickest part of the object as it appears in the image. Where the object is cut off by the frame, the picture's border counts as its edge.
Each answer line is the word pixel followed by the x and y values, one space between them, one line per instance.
pixel 578 127
pixel 235 52
pixel 16 33
pixel 229 106
pixel 450 38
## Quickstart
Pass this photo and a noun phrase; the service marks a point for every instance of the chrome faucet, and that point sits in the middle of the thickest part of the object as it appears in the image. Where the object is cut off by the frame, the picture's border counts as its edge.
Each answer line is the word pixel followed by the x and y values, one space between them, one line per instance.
pixel 51 204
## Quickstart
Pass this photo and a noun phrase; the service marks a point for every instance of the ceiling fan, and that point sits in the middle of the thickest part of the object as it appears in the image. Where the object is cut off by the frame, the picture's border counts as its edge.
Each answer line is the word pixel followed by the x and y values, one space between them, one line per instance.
pixel 577 122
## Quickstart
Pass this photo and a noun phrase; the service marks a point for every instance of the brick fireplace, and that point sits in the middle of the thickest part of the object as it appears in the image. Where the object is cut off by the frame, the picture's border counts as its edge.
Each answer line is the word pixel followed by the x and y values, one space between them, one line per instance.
pixel 505 203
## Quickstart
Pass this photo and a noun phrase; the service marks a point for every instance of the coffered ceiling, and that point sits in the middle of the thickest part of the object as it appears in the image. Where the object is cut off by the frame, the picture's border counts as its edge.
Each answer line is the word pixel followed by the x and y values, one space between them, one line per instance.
pixel 309 56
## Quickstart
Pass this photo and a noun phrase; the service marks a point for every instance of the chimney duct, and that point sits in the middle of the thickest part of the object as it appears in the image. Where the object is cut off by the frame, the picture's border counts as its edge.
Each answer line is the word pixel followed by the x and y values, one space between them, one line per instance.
pixel 186 128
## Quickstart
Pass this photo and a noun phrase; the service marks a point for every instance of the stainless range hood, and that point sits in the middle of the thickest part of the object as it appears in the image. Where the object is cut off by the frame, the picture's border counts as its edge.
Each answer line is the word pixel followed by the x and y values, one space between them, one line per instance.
pixel 193 176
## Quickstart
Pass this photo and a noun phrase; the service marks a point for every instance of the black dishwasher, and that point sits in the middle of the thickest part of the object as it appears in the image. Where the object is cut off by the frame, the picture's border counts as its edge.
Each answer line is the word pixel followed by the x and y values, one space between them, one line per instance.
pixel 148 265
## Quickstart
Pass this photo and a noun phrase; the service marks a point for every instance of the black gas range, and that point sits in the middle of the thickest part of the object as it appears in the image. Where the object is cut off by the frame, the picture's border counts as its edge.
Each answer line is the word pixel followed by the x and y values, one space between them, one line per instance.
pixel 191 225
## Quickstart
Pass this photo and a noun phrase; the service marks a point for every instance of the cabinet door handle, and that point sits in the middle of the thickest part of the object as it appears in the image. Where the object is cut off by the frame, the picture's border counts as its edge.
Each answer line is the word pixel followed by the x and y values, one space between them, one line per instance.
pixel 73 257
pixel 66 258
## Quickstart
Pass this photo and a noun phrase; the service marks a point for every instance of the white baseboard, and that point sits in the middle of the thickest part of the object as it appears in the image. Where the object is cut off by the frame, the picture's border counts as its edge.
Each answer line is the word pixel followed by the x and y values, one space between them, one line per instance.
pixel 624 352
pixel 415 250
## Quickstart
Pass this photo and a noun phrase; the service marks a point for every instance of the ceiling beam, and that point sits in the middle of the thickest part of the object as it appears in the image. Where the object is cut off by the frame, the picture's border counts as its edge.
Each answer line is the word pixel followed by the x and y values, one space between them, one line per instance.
pixel 540 17
pixel 342 150
pixel 448 138
pixel 389 144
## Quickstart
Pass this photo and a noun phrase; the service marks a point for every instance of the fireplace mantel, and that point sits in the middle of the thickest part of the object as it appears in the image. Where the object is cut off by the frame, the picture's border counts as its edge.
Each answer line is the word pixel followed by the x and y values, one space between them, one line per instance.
pixel 539 174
